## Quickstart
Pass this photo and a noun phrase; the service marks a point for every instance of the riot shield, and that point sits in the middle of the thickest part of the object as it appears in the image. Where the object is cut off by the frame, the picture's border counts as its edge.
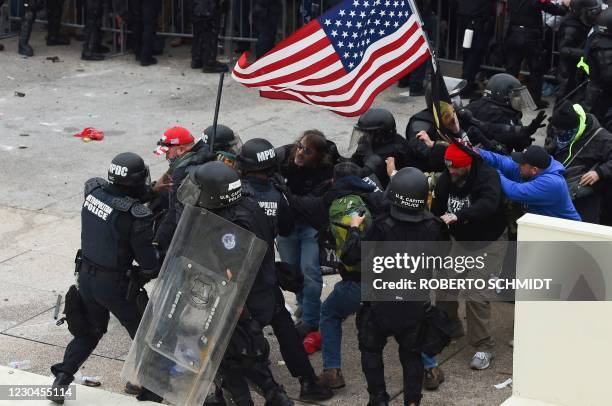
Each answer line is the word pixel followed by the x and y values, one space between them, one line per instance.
pixel 198 297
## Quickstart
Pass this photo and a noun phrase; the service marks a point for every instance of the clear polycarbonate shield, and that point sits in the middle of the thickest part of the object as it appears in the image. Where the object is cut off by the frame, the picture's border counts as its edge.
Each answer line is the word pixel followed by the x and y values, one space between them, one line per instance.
pixel 359 139
pixel 194 306
pixel 520 99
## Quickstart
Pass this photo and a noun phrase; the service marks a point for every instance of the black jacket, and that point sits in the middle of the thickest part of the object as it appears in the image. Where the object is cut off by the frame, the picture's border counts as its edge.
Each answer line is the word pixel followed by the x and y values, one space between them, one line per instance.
pixel 272 201
pixel 477 204
pixel 528 13
pixel 199 154
pixel 597 154
pixel 474 8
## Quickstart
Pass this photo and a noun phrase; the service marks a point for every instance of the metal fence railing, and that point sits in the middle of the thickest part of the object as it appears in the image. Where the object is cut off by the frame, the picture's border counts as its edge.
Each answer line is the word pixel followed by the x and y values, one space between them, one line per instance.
pixel 237 29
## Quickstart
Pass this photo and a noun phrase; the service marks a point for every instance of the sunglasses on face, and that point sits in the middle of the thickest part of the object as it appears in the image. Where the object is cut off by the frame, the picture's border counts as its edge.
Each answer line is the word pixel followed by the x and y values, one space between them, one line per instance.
pixel 303 148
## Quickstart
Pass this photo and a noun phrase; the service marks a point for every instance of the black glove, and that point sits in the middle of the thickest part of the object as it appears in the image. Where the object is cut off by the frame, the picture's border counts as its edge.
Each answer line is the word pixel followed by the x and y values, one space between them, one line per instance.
pixel 535 125
pixel 279 183
pixel 146 275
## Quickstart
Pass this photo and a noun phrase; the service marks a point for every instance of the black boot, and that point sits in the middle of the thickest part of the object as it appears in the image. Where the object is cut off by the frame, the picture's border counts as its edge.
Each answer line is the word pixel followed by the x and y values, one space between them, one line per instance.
pixel 215 398
pixel 1 47
pixel 379 399
pixel 24 34
pixel 214 67
pixel 278 397
pixel 54 24
pixel 62 380
pixel 146 394
pixel 311 391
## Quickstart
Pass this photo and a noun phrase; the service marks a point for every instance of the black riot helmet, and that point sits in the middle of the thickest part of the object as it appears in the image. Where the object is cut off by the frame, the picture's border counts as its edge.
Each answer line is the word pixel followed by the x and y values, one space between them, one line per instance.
pixel 379 124
pixel 257 155
pixel 605 22
pixel 225 139
pixel 212 185
pixel 587 10
pixel 128 169
pixel 508 91
pixel 408 192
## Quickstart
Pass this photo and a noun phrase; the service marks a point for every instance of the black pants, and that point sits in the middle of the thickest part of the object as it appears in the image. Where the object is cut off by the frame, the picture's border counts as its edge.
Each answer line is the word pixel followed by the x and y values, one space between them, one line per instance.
pixel 474 57
pixel 143 24
pixel 266 17
pixel 206 16
pixel 102 294
pixel 376 322
pixel 589 208
pixel 54 13
pixel 93 22
pixel 268 308
pixel 527 44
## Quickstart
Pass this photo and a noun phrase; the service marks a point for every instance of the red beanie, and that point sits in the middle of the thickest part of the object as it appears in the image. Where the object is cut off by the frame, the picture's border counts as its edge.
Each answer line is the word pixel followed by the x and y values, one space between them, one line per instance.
pixel 456 157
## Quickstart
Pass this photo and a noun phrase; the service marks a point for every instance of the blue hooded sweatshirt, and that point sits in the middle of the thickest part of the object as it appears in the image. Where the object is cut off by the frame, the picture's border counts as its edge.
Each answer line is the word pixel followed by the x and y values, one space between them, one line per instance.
pixel 546 194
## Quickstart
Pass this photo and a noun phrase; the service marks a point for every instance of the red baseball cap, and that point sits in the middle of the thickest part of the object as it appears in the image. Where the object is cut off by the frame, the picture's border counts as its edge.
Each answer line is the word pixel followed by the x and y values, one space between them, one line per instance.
pixel 456 157
pixel 172 137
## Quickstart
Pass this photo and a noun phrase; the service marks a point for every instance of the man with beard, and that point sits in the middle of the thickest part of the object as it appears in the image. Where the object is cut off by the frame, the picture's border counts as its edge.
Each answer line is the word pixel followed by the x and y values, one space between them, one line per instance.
pixel 534 179
pixel 468 199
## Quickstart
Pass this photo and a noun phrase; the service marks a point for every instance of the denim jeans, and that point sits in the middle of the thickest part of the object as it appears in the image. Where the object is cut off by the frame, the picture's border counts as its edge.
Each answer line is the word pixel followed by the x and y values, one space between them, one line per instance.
pixel 301 248
pixel 343 301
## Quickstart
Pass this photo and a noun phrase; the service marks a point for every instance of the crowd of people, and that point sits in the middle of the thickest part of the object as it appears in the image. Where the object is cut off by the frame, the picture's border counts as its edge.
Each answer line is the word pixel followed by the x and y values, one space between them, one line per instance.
pixel 467 181
pixel 464 177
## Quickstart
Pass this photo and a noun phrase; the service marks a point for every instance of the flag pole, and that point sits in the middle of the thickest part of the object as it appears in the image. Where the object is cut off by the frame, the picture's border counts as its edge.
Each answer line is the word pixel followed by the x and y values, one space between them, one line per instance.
pixel 216 117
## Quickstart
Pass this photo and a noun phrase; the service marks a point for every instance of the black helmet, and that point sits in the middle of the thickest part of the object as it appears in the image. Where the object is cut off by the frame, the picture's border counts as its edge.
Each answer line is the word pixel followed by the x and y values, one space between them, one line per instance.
pixel 219 185
pixel 128 169
pixel 605 22
pixel 379 123
pixel 586 10
pixel 408 192
pixel 225 139
pixel 256 155
pixel 508 91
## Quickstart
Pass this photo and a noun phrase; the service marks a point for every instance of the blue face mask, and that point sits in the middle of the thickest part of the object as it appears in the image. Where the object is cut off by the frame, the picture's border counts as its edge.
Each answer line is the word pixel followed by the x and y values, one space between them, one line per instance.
pixel 565 137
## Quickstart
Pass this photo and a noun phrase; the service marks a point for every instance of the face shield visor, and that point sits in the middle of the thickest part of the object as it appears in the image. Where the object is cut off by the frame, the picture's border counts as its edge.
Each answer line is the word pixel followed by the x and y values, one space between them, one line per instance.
pixel 361 140
pixel 189 191
pixel 520 99
pixel 589 16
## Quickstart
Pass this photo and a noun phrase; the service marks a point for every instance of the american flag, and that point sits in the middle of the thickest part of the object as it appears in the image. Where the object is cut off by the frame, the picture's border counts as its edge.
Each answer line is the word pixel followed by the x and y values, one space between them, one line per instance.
pixel 343 59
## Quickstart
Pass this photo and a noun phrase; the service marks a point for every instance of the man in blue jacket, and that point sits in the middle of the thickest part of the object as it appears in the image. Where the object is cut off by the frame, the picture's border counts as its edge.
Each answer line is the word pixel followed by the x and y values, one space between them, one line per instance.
pixel 534 179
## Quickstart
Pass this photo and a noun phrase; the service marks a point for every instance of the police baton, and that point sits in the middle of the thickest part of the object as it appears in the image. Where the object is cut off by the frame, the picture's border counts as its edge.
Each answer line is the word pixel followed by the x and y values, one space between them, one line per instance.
pixel 216 117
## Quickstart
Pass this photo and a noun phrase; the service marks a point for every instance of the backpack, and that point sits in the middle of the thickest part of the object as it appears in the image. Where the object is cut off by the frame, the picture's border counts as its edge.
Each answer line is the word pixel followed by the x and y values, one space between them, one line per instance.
pixel 340 213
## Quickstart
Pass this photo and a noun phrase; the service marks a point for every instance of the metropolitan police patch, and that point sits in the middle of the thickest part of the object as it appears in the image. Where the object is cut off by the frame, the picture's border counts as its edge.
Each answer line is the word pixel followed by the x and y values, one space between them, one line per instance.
pixel 229 241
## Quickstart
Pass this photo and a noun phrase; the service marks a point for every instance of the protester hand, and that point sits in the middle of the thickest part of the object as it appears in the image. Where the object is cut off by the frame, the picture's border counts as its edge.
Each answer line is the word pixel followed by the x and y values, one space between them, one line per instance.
pixel 449 218
pixel 390 165
pixel 589 178
pixel 424 137
pixel 537 123
pixel 356 220
pixel 164 182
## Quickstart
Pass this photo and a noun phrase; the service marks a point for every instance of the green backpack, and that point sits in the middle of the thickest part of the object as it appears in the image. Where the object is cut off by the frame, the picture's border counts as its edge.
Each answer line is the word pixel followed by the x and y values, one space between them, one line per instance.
pixel 340 213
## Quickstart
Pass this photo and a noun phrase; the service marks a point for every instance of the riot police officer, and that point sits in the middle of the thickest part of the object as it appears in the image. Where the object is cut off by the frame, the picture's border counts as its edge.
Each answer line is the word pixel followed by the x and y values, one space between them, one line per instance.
pixel 407 220
pixel 498 113
pixel 206 16
pixel 573 32
pixel 257 163
pixel 54 18
pixel 375 134
pixel 599 60
pixel 116 230
pixel 227 143
pixel 525 41
pixel 247 357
